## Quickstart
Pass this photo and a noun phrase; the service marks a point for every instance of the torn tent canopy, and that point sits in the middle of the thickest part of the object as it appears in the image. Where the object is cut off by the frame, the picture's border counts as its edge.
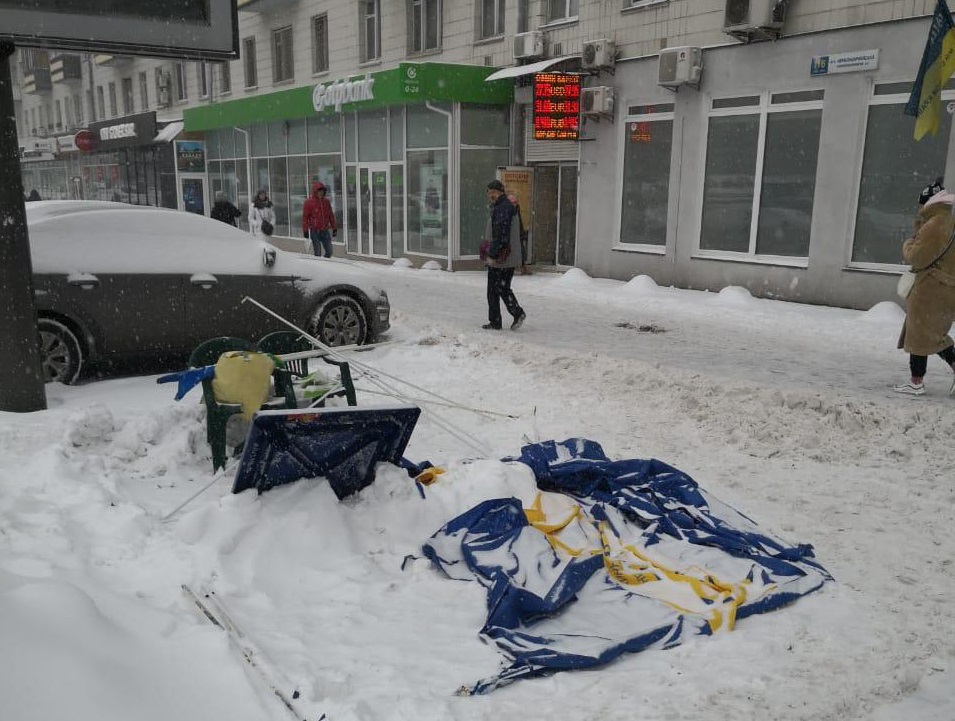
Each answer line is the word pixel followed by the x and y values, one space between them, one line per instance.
pixel 612 557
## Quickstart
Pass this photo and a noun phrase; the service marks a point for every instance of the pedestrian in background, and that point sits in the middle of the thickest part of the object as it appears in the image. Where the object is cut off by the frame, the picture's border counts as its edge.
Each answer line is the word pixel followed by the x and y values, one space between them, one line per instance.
pixel 34 195
pixel 503 240
pixel 520 219
pixel 262 216
pixel 318 220
pixel 930 306
pixel 224 210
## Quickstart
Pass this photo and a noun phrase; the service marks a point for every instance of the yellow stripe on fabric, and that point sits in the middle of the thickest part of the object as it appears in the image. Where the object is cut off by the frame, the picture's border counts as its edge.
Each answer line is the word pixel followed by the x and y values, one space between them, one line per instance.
pixel 936 76
pixel 710 589
pixel 537 518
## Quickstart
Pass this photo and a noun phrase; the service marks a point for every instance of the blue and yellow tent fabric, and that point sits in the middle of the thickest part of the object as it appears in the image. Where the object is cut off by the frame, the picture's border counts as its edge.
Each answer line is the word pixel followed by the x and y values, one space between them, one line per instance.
pixel 612 557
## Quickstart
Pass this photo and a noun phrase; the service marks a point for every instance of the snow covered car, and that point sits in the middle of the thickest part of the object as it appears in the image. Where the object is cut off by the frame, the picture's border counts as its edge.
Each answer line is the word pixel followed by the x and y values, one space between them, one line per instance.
pixel 115 281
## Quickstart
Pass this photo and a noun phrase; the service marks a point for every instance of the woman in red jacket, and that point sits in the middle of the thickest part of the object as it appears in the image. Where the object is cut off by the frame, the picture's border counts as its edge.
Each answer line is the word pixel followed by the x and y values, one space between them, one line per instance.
pixel 317 218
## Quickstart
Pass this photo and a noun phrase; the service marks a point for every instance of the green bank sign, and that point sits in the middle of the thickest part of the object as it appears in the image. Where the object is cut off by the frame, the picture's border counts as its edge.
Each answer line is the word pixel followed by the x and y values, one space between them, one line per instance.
pixel 408 83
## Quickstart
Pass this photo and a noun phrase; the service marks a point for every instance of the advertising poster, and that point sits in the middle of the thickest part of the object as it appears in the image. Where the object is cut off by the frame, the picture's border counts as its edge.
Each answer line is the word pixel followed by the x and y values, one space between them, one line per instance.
pixel 190 156
pixel 192 200
pixel 520 182
pixel 432 209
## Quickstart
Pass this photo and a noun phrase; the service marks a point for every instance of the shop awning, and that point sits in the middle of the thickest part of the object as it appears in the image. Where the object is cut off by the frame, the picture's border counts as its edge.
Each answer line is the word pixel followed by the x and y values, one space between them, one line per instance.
pixel 169 132
pixel 518 70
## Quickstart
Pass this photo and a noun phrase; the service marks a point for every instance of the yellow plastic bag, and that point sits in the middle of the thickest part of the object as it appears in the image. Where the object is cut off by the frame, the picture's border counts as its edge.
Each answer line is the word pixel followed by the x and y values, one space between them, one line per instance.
pixel 243 377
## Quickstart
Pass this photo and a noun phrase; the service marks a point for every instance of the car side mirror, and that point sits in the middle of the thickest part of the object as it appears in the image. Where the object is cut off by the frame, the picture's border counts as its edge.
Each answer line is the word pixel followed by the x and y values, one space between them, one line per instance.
pixel 268 257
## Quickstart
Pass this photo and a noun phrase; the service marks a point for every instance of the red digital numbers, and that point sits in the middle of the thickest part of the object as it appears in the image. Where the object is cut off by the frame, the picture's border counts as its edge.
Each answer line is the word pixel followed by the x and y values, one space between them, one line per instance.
pixel 556 106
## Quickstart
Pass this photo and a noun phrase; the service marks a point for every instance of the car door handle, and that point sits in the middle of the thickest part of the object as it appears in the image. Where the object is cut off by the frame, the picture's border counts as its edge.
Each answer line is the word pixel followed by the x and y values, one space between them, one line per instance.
pixel 86 281
pixel 204 280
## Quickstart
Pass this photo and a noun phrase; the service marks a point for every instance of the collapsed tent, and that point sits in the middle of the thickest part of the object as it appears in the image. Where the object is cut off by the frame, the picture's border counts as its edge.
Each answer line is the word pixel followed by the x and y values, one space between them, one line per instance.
pixel 612 557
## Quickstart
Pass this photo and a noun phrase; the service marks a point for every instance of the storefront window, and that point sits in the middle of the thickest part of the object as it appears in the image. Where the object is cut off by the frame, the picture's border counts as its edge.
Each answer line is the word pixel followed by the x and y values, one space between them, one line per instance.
pixel 372 142
pixel 242 202
pixel 397 123
pixel 260 140
pixel 648 142
pixel 324 134
pixel 278 136
pixel 482 125
pixel 892 180
pixel 730 179
pixel 212 145
pixel 478 166
pixel 426 128
pixel 783 172
pixel 428 201
pixel 351 190
pixel 296 137
pixel 299 187
pixel 397 208
pixel 789 183
pixel 351 137
pixel 260 175
pixel 278 173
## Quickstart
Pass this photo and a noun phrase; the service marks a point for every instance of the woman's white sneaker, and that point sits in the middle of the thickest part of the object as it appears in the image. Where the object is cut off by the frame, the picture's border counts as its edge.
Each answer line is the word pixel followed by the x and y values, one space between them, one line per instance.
pixel 910 389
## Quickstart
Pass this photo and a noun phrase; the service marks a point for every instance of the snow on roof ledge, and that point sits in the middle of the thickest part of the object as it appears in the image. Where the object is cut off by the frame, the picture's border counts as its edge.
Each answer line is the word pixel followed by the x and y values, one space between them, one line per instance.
pixel 169 132
pixel 518 70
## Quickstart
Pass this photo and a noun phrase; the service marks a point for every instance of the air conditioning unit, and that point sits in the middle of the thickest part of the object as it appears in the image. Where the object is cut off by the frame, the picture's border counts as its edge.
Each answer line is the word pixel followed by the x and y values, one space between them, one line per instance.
pixel 597 101
pixel 680 66
pixel 598 54
pixel 529 45
pixel 746 19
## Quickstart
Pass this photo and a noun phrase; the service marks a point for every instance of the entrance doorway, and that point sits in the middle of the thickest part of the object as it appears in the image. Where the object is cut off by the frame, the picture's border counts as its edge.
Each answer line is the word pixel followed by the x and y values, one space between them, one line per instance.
pixel 555 214
pixel 374 210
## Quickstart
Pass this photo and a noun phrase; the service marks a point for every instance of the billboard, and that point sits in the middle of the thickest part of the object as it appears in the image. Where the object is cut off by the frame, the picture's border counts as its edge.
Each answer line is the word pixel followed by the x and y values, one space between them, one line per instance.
pixel 188 29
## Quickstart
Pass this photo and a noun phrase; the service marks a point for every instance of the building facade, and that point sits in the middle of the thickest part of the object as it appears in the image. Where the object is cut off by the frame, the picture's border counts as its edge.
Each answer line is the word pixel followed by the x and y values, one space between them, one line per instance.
pixel 775 155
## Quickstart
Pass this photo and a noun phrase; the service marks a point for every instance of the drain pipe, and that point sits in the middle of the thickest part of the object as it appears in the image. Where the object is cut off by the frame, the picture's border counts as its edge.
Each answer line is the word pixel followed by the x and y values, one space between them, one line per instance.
pixel 453 199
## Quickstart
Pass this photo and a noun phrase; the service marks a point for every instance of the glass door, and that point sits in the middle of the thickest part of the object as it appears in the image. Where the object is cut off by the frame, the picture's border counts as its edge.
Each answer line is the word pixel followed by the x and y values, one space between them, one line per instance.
pixel 374 210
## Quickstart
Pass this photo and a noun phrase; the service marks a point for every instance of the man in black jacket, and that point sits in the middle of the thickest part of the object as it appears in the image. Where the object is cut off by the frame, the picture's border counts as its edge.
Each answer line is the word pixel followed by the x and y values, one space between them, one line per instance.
pixel 224 210
pixel 503 256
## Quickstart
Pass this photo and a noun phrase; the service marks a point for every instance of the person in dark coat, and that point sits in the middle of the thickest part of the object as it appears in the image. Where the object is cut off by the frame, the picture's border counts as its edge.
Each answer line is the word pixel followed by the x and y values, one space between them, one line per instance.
pixel 224 210
pixel 34 195
pixel 930 306
pixel 503 255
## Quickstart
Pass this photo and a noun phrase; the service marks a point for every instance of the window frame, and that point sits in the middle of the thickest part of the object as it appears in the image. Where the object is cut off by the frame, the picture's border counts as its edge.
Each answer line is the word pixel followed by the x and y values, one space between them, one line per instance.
pixel 417 41
pixel 100 103
pixel 225 78
pixel 182 90
pixel 763 108
pixel 499 12
pixel 202 80
pixel 113 104
pixel 283 55
pixel 320 55
pixel 879 99
pixel 369 54
pixel 129 98
pixel 565 18
pixel 640 4
pixel 249 65
pixel 144 90
pixel 641 117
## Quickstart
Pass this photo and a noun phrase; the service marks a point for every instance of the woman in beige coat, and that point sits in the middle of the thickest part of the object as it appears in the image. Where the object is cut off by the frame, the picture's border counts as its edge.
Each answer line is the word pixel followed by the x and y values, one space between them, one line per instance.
pixel 931 304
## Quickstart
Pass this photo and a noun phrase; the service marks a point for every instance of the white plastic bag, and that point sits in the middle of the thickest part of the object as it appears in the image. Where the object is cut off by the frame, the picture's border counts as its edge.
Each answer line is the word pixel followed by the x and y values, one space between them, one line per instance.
pixel 906 281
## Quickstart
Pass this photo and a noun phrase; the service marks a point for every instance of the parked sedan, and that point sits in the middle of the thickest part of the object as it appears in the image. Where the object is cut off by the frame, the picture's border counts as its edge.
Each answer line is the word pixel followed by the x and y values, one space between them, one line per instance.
pixel 115 281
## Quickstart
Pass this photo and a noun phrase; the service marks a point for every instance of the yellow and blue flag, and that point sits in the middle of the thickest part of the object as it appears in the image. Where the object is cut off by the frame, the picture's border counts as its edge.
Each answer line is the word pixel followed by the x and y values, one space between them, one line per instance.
pixel 938 64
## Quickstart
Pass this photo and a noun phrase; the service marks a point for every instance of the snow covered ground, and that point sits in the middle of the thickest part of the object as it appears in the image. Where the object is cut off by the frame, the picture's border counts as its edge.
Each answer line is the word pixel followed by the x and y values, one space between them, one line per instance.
pixel 781 410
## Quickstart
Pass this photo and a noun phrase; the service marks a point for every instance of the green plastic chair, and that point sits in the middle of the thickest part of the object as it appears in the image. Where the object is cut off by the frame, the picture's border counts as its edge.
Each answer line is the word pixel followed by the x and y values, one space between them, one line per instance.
pixel 217 414
pixel 283 378
pixel 281 342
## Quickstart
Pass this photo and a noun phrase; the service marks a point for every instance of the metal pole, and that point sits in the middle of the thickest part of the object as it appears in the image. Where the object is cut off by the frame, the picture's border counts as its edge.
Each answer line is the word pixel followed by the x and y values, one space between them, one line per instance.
pixel 21 374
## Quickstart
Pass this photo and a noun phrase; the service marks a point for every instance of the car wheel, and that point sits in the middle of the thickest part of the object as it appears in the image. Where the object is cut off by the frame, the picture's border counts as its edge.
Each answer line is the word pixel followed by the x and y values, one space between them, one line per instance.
pixel 340 320
pixel 60 354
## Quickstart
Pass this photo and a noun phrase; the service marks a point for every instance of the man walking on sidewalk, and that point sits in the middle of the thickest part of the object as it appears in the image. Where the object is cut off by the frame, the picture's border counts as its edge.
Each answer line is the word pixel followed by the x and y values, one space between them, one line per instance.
pixel 318 221
pixel 503 256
